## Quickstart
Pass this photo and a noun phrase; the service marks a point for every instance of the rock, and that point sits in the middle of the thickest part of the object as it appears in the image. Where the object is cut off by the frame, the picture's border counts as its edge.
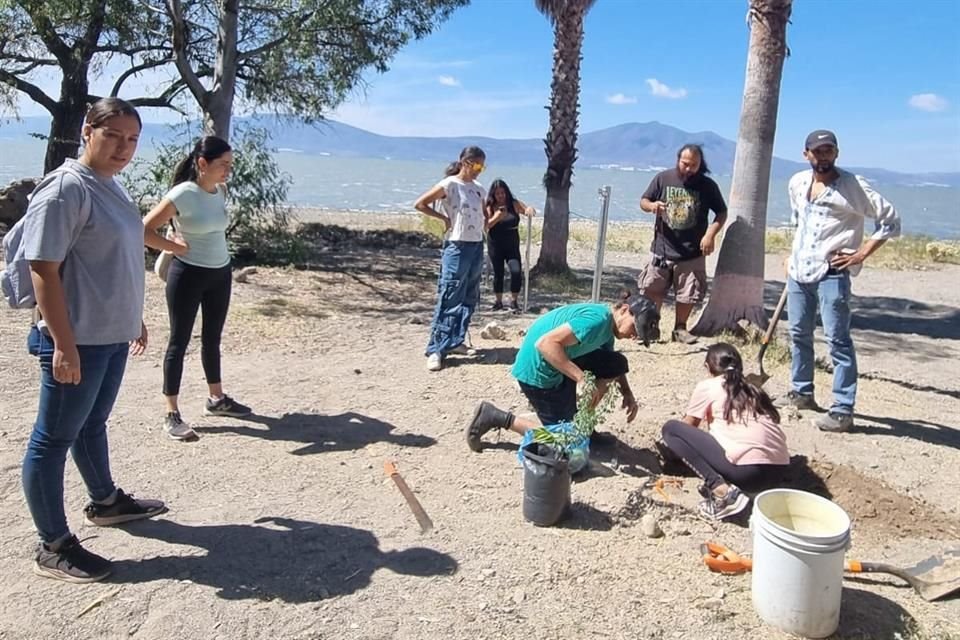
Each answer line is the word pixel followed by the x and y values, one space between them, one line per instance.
pixel 482 606
pixel 13 200
pixel 712 603
pixel 489 573
pixel 242 275
pixel 493 331
pixel 650 527
pixel 519 595
pixel 357 371
pixel 414 320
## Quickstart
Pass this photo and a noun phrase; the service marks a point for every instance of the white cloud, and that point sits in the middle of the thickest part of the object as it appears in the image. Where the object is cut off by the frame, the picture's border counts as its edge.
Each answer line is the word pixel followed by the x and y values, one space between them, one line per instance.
pixel 619 98
pixel 448 81
pixel 661 90
pixel 928 102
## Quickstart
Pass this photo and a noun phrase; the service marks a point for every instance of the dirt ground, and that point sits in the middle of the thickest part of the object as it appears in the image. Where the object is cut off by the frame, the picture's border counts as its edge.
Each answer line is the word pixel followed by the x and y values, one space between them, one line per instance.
pixel 285 526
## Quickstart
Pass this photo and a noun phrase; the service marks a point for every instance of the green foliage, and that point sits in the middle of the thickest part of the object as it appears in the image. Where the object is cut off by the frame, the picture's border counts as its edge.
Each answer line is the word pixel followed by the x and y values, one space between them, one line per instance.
pixel 260 221
pixel 587 418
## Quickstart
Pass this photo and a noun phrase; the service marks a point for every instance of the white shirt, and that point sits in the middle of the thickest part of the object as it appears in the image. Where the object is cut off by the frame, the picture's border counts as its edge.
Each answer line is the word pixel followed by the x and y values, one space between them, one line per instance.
pixel 833 222
pixel 463 204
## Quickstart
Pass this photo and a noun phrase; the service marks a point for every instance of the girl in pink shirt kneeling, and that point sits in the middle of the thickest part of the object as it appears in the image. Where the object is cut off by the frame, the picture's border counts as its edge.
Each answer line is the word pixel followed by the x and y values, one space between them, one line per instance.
pixel 741 443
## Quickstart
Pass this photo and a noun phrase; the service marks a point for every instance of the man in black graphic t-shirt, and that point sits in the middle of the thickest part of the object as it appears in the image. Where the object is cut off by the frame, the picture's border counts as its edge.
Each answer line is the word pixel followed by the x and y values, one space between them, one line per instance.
pixel 682 198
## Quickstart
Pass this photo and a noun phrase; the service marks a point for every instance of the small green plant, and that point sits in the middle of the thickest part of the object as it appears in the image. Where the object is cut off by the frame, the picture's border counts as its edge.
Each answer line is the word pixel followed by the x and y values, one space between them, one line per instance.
pixel 589 416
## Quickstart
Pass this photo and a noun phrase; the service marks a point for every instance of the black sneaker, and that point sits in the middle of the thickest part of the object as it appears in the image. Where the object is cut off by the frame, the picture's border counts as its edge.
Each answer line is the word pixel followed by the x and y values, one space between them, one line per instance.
pixel 683 336
pixel 514 307
pixel 227 406
pixel 798 400
pixel 734 502
pixel 497 306
pixel 70 563
pixel 486 418
pixel 836 422
pixel 124 509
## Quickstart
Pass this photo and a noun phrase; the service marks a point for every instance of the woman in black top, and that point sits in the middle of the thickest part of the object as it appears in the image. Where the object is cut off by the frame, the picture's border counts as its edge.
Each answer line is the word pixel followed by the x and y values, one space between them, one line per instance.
pixel 503 235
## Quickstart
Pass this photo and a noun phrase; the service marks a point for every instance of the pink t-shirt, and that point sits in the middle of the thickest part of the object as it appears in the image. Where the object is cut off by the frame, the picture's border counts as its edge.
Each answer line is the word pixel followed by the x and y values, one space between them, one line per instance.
pixel 750 440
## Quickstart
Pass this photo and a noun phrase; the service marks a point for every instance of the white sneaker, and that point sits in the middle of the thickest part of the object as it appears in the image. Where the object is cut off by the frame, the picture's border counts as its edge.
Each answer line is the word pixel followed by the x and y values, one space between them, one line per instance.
pixel 463 350
pixel 434 362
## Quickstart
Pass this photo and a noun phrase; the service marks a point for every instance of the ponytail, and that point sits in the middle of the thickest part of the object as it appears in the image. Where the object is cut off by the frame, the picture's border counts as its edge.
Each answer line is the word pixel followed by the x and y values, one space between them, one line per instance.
pixel 742 397
pixel 453 168
pixel 209 148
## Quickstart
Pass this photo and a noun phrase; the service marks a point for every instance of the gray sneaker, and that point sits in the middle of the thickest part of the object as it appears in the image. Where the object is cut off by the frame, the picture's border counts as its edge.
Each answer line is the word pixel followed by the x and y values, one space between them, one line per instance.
pixel 177 428
pixel 226 406
pixel 683 336
pixel 833 421
pixel 798 400
pixel 70 563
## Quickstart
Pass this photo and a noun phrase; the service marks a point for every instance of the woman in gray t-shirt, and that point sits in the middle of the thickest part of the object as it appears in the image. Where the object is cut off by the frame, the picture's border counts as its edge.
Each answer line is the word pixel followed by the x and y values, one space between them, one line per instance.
pixel 83 239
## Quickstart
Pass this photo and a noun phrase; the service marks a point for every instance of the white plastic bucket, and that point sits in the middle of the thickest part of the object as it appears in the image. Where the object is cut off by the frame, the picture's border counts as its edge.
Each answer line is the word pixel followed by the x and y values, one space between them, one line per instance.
pixel 799 540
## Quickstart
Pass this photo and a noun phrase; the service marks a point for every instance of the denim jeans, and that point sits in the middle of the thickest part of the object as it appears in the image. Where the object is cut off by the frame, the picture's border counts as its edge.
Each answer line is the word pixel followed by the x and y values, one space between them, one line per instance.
pixel 458 292
pixel 70 417
pixel 832 293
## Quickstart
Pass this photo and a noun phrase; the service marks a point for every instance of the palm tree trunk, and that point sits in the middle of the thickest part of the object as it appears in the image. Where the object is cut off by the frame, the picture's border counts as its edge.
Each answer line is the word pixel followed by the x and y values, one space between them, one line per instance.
pixel 737 289
pixel 560 144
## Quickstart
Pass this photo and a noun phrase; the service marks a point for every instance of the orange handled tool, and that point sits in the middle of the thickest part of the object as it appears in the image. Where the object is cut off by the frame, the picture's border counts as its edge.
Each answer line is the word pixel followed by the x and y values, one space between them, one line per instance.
pixel 722 560
pixel 425 522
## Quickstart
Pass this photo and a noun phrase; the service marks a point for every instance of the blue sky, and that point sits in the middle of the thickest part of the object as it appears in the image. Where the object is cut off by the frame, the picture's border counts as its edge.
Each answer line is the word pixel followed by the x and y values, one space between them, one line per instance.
pixel 884 74
pixel 855 66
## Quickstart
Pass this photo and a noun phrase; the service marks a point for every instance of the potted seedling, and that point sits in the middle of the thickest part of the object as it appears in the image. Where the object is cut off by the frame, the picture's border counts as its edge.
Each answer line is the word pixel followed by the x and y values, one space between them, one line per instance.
pixel 552 453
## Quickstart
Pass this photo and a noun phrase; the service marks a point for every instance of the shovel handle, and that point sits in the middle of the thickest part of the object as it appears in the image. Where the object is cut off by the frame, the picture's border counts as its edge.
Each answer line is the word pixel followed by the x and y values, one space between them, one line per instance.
pixel 781 303
pixel 856 566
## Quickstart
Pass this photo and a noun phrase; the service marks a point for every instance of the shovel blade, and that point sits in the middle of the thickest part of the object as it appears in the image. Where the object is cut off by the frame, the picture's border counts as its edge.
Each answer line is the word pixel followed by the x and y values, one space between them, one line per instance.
pixel 938 576
pixel 757 379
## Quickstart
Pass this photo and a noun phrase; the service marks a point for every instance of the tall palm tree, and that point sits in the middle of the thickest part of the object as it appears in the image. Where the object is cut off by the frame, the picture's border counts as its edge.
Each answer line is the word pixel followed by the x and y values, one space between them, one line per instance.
pixel 561 141
pixel 737 289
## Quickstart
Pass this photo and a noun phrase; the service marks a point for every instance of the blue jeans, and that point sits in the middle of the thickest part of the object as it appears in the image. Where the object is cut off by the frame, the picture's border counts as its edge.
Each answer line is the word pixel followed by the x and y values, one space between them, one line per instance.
pixel 458 292
pixel 70 417
pixel 832 293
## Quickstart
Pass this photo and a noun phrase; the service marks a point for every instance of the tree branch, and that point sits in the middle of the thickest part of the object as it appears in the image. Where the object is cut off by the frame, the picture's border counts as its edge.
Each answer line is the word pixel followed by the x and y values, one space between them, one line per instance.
pixel 48 33
pixel 115 91
pixel 87 45
pixel 175 11
pixel 36 93
pixel 34 62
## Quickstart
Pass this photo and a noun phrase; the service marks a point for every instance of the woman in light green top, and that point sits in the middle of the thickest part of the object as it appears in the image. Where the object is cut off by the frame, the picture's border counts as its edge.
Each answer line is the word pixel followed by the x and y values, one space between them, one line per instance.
pixel 199 277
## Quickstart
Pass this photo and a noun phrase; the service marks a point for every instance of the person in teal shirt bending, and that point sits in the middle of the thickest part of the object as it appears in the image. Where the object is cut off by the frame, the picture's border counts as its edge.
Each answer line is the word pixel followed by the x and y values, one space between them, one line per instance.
pixel 558 349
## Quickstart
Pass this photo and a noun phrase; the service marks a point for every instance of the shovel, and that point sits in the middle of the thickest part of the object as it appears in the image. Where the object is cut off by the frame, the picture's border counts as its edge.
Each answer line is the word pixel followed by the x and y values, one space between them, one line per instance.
pixel 757 379
pixel 934 578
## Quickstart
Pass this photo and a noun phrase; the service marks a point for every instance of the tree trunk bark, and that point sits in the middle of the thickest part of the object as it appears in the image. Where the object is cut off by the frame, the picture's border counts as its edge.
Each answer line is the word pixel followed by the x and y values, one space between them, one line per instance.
pixel 737 289
pixel 218 111
pixel 67 119
pixel 560 144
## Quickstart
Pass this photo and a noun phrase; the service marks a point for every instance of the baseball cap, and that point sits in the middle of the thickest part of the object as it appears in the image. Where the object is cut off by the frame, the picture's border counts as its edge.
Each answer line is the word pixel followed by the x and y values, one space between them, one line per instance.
pixel 646 318
pixel 819 138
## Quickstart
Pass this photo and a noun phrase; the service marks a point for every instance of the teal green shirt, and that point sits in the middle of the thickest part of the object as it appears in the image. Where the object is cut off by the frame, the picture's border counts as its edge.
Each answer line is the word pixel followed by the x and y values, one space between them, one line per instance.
pixel 202 220
pixel 592 325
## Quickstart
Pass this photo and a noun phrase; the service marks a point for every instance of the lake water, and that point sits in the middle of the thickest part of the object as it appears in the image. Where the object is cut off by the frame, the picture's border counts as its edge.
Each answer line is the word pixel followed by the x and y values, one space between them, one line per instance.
pixel 389 186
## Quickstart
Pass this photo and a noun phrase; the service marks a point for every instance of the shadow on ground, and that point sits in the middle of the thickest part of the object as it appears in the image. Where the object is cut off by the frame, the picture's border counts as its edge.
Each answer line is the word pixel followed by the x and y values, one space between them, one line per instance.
pixel 275 558
pixel 321 433
pixel 922 430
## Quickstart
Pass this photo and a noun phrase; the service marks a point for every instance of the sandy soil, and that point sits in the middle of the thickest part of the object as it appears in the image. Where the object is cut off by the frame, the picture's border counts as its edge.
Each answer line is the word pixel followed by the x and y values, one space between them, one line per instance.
pixel 284 525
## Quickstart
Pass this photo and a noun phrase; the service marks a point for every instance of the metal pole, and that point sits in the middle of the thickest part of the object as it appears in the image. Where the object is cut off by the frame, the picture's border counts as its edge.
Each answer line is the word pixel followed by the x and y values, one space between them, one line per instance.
pixel 604 192
pixel 526 266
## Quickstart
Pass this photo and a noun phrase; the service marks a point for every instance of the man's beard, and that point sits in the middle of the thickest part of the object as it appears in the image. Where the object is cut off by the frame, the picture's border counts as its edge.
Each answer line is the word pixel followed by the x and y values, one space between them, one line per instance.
pixel 822 166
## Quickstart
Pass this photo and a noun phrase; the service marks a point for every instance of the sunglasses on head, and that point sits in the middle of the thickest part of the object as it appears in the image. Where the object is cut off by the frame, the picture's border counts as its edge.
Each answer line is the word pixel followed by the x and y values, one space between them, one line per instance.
pixel 476 166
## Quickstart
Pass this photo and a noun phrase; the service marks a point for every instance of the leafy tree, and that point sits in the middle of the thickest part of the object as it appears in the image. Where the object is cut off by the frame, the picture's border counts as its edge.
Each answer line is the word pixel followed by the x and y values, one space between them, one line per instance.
pixel 737 290
pixel 561 141
pixel 297 57
pixel 75 38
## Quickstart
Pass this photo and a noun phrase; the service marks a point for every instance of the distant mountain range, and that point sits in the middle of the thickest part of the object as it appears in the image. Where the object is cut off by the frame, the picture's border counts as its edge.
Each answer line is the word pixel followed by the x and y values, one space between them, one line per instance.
pixel 638 145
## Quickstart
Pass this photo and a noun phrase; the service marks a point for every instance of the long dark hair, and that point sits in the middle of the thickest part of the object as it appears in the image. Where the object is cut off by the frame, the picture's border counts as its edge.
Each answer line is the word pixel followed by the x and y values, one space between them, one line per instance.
pixel 106 108
pixel 209 148
pixel 492 195
pixel 697 149
pixel 742 397
pixel 468 153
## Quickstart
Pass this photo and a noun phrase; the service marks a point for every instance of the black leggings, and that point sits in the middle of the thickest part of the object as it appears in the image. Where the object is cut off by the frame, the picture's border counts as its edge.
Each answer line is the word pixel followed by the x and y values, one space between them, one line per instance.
pixel 505 248
pixel 190 288
pixel 704 455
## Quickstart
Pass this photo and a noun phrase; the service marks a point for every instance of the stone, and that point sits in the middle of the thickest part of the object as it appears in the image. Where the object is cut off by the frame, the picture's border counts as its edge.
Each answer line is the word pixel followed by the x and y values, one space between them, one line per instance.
pixel 243 274
pixel 493 331
pixel 13 200
pixel 414 320
pixel 650 527
pixel 519 595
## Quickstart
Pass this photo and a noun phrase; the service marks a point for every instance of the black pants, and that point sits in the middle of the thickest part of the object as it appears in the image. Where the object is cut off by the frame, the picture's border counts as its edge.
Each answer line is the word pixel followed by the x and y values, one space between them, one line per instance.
pixel 704 455
pixel 505 248
pixel 190 288
pixel 559 404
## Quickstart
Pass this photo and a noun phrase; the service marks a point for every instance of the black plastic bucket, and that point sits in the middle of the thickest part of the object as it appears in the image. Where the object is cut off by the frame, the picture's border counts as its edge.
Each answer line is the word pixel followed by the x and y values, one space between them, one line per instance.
pixel 546 484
